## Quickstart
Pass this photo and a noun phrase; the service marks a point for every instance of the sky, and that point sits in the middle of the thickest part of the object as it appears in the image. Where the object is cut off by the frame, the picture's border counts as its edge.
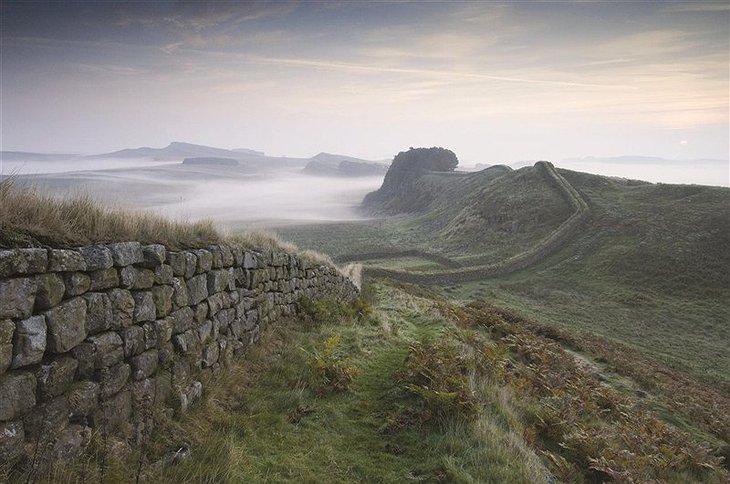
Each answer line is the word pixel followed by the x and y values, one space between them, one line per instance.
pixel 493 81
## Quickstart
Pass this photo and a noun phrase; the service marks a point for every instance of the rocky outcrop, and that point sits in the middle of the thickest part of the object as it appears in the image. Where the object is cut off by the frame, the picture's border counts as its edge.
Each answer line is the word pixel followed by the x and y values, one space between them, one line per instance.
pixel 87 333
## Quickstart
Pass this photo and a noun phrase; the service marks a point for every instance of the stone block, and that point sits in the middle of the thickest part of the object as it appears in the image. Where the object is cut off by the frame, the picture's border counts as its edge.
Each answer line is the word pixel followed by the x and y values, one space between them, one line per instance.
pixel 66 325
pixel 71 442
pixel 162 297
pixel 154 255
pixel 210 354
pixel 227 256
pixel 202 311
pixel 204 331
pixel 112 379
pixel 215 251
pixel 12 440
pixel 22 261
pixel 7 329
pixel 64 260
pixel 163 330
pixel 144 307
pixel 108 349
pixel 126 253
pixel 84 353
pixel 133 338
pixel 180 296
pixel 55 376
pixel 83 397
pixel 182 320
pixel 128 277
pixel 163 274
pixel 187 342
pixel 104 279
pixel 205 261
pixel 144 364
pixel 237 253
pixel 96 257
pixel 251 260
pixel 29 342
pixel 17 297
pixel 50 291
pixel 217 281
pixel 166 355
pixel 47 419
pixel 98 312
pixel 191 264
pixel 177 262
pixel 150 335
pixel 123 306
pixel 18 394
pixel 76 283
pixel 215 303
pixel 145 279
pixel 198 288
pixel 114 411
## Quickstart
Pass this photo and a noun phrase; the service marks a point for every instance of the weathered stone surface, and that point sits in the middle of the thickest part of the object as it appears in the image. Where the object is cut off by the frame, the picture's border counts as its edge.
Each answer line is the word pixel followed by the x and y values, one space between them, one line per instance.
pixel 18 394
pixel 237 253
pixel 251 260
pixel 144 364
pixel 217 281
pixel 54 377
pixel 182 320
pixel 177 262
pixel 22 261
pixel 126 253
pixel 128 277
pixel 96 257
pixel 163 330
pixel 112 379
pixel 162 297
pixel 205 261
pixel 180 295
pixel 64 260
pixel 47 419
pixel 115 411
pixel 191 264
pixel 71 442
pixel 7 328
pixel 204 331
pixel 201 312
pixel 83 397
pixel 145 279
pixel 210 353
pixel 123 305
pixel 17 297
pixel 108 349
pixel 150 335
pixel 29 342
pixel 12 439
pixel 198 288
pixel 166 356
pixel 104 279
pixel 133 338
pixel 163 274
pixel 215 303
pixel 66 325
pixel 76 283
pixel 84 354
pixel 144 307
pixel 187 342
pixel 227 256
pixel 154 255
pixel 98 312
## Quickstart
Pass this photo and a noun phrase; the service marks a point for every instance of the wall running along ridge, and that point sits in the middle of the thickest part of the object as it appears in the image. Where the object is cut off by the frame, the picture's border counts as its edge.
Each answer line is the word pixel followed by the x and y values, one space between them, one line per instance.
pixel 93 338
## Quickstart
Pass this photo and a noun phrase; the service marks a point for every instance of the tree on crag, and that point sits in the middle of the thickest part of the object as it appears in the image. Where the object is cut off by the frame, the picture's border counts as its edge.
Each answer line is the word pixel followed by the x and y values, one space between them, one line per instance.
pixel 398 192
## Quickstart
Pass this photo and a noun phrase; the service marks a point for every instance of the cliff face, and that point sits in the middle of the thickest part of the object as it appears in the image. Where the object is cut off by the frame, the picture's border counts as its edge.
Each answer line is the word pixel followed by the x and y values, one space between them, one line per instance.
pixel 91 337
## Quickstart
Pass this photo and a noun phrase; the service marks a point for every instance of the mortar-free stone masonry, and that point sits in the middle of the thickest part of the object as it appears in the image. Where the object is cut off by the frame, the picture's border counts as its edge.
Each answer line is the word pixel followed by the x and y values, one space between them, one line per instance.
pixel 95 338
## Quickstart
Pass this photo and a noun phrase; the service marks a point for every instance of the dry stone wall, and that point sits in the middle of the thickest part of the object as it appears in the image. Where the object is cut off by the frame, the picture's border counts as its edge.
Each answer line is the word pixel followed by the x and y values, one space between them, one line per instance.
pixel 93 338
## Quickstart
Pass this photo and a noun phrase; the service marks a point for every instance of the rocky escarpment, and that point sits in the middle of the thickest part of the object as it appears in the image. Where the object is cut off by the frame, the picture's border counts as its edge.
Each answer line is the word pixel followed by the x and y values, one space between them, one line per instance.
pixel 94 338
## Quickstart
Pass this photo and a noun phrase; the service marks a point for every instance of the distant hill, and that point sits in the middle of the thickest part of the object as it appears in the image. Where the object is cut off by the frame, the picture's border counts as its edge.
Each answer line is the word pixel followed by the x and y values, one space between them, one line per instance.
pixel 210 161
pixel 27 156
pixel 177 150
pixel 327 164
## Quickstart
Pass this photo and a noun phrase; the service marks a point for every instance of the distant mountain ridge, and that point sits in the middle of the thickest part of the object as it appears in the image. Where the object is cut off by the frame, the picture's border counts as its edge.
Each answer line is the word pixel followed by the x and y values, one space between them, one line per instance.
pixel 178 150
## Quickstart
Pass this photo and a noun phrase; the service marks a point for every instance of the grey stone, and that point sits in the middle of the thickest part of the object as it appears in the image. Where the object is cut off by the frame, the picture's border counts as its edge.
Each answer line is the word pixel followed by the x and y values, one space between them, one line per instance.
pixel 215 251
pixel 84 353
pixel 114 412
pixel 166 355
pixel 144 307
pixel 128 277
pixel 7 329
pixel 154 255
pixel 250 260
pixel 23 261
pixel 64 260
pixel 211 353
pixel 47 419
pixel 76 283
pixel 108 349
pixel 144 364
pixel 12 440
pixel 150 335
pixel 191 263
pixel 17 297
pixel 198 288
pixel 201 312
pixel 204 331
pixel 72 442
pixel 66 325
pixel 55 376
pixel 187 342
pixel 83 397
pixel 182 320
pixel 133 338
pixel 112 379
pixel 237 253
pixel 30 341
pixel 227 256
pixel 98 312
pixel 145 279
pixel 162 297
pixel 104 279
pixel 205 261
pixel 123 306
pixel 215 303
pixel 97 257
pixel 126 253
pixel 163 329
pixel 180 295
pixel 177 262
pixel 18 394
pixel 163 274
pixel 217 281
